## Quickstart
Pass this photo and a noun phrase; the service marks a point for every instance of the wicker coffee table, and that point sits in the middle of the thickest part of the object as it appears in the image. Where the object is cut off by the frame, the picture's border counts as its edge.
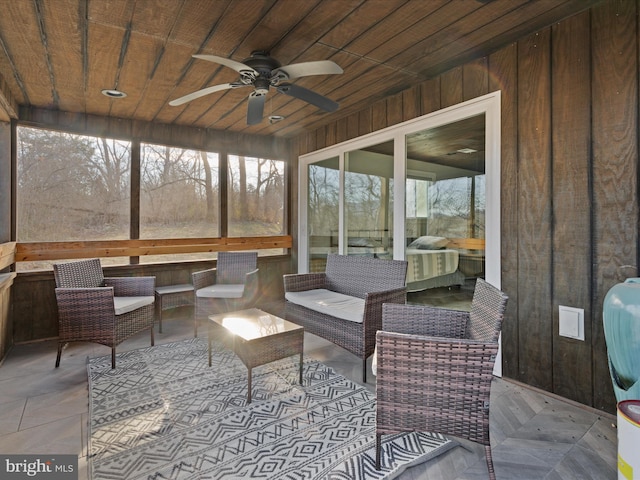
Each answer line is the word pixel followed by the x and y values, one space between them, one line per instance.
pixel 260 338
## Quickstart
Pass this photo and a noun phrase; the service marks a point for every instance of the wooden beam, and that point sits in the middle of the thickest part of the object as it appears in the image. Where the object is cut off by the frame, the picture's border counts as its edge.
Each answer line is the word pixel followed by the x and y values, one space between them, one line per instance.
pixel 29 252
pixel 8 104
pixel 7 254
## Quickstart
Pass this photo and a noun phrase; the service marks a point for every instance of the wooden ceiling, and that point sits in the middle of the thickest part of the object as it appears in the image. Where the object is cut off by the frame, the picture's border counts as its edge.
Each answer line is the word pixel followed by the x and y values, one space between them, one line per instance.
pixel 60 54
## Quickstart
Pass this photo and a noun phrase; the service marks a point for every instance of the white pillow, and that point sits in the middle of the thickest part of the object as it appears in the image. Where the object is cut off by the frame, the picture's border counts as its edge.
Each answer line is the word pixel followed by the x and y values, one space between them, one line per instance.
pixel 429 243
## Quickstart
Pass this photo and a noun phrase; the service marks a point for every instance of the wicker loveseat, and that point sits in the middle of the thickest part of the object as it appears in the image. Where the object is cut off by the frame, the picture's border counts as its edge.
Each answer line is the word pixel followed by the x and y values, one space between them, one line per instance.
pixel 344 303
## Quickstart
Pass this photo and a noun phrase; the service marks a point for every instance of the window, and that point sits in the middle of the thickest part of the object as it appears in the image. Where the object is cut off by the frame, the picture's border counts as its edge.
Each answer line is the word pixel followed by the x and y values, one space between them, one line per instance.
pixel 71 187
pixel 256 197
pixel 179 196
pixel 78 188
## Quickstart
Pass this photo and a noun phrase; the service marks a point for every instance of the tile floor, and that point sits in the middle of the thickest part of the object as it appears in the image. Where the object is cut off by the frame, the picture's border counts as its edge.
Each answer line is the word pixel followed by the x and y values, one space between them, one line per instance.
pixel 44 410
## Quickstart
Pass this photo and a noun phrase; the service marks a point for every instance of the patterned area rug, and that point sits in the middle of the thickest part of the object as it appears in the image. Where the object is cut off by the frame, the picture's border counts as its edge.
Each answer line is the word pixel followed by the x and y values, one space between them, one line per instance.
pixel 164 414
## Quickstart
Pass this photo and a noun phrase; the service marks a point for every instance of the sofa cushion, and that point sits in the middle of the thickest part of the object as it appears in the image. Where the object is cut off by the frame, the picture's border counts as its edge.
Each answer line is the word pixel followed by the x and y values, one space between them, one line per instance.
pixel 221 291
pixel 330 303
pixel 129 304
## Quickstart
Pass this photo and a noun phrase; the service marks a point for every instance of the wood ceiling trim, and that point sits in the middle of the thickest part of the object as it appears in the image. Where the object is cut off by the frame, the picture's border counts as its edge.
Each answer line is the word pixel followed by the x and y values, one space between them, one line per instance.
pixel 8 104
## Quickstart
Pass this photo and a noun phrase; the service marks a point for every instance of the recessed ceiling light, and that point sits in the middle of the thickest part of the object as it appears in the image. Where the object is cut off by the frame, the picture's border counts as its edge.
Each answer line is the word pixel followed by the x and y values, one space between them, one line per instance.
pixel 466 150
pixel 275 118
pixel 112 93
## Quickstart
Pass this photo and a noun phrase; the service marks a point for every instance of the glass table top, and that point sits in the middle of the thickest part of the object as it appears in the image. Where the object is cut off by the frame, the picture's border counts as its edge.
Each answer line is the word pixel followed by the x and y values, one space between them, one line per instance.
pixel 253 323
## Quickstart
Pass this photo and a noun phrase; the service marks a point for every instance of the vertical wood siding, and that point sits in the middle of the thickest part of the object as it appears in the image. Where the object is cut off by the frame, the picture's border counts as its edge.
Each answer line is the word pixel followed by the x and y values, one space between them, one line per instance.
pixel 569 183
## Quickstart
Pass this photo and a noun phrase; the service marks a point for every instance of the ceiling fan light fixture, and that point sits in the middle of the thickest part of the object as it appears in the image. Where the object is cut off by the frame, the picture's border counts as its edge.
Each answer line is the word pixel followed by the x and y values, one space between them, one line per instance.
pixel 113 93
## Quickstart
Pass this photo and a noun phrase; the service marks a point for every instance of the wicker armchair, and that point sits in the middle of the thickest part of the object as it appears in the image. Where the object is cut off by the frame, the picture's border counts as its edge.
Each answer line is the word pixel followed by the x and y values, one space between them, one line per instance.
pixel 231 285
pixel 434 369
pixel 92 308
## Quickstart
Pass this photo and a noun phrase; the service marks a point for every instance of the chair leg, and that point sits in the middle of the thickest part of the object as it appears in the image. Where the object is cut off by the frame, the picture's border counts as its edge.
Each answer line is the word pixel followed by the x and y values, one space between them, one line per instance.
pixel 153 341
pixel 487 454
pixel 378 448
pixel 113 358
pixel 59 354
pixel 364 370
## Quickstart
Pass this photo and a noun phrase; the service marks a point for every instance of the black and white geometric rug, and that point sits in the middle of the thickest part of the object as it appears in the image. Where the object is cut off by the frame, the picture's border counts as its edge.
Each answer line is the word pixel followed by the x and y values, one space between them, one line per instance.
pixel 164 414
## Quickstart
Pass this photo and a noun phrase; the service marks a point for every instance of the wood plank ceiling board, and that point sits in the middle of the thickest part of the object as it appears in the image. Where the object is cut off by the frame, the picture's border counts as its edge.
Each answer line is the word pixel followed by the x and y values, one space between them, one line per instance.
pixel 502 30
pixel 156 17
pixel 223 41
pixel 361 20
pixel 63 29
pixel 263 37
pixel 104 47
pixel 27 53
pixel 404 50
pixel 59 54
pixel 313 28
pixel 136 69
pixel 388 28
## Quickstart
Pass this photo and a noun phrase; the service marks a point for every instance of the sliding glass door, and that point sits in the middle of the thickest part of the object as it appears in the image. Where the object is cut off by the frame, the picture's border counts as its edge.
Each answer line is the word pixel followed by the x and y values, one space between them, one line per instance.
pixel 368 201
pixel 433 176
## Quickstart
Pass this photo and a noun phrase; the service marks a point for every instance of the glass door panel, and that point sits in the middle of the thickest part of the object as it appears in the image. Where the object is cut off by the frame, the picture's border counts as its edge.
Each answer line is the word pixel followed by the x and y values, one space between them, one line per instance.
pixel 323 211
pixel 445 212
pixel 368 201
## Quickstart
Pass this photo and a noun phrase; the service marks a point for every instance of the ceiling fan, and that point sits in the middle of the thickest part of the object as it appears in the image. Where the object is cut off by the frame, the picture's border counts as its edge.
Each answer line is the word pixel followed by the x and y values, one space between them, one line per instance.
pixel 261 71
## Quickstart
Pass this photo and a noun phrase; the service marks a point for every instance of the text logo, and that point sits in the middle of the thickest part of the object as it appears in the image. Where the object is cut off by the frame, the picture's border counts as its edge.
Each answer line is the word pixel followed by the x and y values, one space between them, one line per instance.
pixel 39 467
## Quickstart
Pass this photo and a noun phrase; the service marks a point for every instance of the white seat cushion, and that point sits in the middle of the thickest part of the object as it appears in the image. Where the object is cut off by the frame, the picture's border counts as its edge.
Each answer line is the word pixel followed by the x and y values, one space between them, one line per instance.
pixel 330 303
pixel 129 304
pixel 221 291
pixel 169 289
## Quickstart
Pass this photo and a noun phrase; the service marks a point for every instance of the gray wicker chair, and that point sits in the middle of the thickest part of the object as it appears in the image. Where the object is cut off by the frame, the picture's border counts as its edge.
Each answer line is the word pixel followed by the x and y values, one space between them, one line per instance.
pixel 434 369
pixel 231 285
pixel 375 280
pixel 92 308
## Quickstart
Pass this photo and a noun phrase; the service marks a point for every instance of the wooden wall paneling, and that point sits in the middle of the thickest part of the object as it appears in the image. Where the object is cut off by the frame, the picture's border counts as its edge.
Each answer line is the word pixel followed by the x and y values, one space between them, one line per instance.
pixel 352 125
pixel 342 130
pixel 394 109
pixel 5 182
pixel 331 132
pixel 364 122
pixel 321 137
pixel 411 103
pixel 503 76
pixel 311 143
pixel 475 79
pixel 615 166
pixel 379 115
pixel 534 211
pixel 430 95
pixel 451 87
pixel 571 141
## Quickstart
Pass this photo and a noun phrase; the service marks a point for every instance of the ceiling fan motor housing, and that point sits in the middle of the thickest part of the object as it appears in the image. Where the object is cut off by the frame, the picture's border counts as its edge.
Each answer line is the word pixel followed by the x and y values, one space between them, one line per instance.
pixel 264 64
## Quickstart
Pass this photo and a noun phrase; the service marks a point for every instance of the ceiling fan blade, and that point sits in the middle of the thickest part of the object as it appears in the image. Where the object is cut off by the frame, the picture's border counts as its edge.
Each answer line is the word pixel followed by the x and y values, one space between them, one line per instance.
pixel 227 62
pixel 255 109
pixel 203 92
pixel 309 96
pixel 296 70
